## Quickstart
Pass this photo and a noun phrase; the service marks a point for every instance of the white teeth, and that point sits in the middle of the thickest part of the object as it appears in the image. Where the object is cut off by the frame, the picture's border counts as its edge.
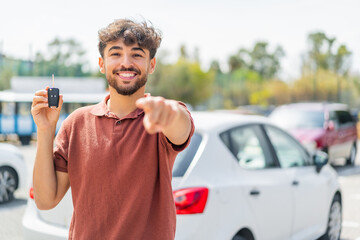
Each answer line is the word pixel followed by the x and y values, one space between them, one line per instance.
pixel 127 74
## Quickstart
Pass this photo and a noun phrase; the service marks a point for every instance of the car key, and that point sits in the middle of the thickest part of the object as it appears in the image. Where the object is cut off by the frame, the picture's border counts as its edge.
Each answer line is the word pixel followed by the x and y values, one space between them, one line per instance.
pixel 53 95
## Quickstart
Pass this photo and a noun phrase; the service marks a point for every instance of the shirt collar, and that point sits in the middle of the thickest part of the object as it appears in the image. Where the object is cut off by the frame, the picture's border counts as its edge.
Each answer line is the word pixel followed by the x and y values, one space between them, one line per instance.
pixel 101 109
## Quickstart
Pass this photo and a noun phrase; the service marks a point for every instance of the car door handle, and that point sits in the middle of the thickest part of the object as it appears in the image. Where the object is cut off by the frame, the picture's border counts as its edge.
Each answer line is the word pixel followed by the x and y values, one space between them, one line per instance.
pixel 295 183
pixel 254 192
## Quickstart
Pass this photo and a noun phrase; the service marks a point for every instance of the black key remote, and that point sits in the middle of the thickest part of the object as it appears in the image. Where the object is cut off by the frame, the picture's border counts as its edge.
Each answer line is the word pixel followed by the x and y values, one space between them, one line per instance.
pixel 53 97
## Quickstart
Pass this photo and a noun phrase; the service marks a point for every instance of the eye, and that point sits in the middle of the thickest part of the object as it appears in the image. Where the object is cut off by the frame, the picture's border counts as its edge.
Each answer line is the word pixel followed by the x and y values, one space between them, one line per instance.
pixel 115 54
pixel 137 55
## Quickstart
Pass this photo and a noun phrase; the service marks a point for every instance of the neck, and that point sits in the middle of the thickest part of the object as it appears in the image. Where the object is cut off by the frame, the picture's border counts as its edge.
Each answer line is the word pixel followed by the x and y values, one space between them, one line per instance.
pixel 122 105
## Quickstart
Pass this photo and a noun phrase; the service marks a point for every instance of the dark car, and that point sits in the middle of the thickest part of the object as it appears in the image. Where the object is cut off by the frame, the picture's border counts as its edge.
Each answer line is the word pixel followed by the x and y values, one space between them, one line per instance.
pixel 325 126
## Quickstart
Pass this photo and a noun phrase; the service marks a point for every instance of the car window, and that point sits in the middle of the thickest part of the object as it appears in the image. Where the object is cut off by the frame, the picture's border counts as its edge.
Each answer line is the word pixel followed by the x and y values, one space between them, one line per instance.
pixel 332 116
pixel 344 118
pixel 298 118
pixel 288 150
pixel 184 158
pixel 248 148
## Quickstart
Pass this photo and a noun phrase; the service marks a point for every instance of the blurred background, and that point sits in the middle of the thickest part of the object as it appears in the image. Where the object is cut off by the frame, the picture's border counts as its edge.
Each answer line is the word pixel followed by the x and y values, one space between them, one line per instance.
pixel 237 52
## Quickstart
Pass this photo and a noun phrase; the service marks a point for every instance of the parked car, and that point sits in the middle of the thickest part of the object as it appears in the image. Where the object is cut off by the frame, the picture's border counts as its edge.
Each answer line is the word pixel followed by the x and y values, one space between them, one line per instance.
pixel 241 178
pixel 326 126
pixel 12 171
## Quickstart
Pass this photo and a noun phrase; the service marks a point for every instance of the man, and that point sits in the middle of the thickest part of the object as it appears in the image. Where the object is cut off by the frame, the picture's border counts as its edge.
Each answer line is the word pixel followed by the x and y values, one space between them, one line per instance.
pixel 118 155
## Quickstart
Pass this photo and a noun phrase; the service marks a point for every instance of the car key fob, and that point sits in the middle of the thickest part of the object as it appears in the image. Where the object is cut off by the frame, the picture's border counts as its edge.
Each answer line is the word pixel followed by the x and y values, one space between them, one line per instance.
pixel 53 97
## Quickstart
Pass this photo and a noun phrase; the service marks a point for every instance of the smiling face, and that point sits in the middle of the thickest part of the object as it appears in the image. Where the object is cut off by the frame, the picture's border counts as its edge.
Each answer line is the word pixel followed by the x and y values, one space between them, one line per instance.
pixel 126 67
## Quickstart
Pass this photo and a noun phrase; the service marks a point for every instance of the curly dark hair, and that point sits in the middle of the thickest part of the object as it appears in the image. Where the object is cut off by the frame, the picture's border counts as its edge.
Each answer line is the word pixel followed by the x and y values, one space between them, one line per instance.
pixel 131 32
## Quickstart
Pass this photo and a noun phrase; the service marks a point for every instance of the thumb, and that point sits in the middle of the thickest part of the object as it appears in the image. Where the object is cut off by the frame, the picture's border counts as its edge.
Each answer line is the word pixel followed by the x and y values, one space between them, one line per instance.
pixel 144 103
pixel 140 102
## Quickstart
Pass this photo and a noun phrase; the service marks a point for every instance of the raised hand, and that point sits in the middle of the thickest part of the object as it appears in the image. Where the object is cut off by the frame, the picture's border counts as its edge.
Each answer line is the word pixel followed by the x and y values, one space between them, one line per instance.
pixel 44 116
pixel 160 113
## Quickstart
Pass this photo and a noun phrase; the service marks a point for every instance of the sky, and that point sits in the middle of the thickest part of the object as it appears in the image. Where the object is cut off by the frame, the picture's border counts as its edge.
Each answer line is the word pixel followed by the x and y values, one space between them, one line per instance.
pixel 218 28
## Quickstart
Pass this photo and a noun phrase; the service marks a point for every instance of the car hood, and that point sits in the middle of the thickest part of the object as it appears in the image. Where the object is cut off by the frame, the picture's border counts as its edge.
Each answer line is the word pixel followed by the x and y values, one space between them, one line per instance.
pixel 306 135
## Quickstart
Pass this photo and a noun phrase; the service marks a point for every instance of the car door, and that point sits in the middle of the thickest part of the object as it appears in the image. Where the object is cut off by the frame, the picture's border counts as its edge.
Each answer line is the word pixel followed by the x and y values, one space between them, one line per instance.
pixel 265 187
pixel 309 187
pixel 346 133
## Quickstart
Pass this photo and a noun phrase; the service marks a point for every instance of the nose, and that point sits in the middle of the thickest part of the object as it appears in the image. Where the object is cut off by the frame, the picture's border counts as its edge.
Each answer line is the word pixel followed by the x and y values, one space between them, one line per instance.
pixel 126 61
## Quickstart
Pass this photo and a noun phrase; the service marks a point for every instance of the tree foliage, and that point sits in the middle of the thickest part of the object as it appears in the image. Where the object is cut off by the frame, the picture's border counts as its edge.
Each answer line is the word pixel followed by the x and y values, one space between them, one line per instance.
pixel 251 76
pixel 322 55
pixel 63 58
pixel 184 81
pixel 5 77
pixel 258 59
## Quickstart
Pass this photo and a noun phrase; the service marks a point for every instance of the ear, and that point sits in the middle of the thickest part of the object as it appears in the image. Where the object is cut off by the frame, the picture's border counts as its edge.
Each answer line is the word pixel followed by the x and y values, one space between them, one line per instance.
pixel 152 65
pixel 102 65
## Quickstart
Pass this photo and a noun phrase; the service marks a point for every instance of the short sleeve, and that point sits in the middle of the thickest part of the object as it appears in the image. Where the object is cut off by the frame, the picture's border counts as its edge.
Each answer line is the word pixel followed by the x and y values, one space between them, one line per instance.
pixel 179 148
pixel 61 150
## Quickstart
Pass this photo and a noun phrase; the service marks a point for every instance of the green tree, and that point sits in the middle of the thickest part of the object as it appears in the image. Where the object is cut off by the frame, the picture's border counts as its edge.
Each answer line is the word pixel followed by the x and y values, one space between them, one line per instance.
pixel 5 77
pixel 266 63
pixel 215 66
pixel 322 56
pixel 63 58
pixel 258 59
pixel 320 51
pixel 238 86
pixel 184 81
pixel 236 62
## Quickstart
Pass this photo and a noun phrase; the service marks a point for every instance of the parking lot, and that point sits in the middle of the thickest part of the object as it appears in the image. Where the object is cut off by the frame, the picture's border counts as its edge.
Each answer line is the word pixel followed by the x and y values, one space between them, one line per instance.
pixel 349 178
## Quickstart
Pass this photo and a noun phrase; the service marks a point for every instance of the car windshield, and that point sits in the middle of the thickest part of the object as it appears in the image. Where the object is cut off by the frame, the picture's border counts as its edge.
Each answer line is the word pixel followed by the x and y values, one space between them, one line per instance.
pixel 298 119
pixel 185 157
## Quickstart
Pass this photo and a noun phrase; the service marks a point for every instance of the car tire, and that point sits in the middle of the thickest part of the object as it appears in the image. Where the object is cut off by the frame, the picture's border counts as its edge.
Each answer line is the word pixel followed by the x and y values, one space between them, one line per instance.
pixel 8 184
pixel 333 229
pixel 351 159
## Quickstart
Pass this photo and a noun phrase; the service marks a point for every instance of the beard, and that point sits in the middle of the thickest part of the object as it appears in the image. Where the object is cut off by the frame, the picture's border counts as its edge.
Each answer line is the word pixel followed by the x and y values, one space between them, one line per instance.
pixel 123 89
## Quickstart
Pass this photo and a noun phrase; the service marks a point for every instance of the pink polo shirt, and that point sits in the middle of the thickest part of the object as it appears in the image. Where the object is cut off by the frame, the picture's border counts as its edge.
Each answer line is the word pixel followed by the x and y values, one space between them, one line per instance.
pixel 120 176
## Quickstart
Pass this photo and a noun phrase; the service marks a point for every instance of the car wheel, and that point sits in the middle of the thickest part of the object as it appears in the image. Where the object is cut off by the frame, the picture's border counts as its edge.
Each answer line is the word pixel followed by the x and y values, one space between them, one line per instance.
pixel 8 184
pixel 351 160
pixel 333 229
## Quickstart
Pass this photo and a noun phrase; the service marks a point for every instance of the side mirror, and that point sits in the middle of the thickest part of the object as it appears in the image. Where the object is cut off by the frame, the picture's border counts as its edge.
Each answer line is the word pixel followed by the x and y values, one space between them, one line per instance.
pixel 330 126
pixel 320 159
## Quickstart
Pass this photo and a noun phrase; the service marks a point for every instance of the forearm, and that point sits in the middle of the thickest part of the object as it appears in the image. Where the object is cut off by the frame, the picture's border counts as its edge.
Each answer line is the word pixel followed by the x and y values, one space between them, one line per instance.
pixel 179 130
pixel 44 175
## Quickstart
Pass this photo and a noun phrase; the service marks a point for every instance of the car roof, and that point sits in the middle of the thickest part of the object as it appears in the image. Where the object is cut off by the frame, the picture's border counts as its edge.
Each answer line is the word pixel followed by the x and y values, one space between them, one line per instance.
pixel 315 106
pixel 207 121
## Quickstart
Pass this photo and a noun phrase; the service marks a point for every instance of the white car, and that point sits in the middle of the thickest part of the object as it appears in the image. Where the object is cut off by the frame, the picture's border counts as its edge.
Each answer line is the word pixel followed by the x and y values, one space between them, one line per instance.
pixel 241 178
pixel 12 171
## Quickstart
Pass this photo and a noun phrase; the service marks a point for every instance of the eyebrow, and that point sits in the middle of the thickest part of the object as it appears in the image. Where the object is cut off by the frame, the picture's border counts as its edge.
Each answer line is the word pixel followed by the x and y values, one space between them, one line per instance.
pixel 115 48
pixel 138 49
pixel 120 48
